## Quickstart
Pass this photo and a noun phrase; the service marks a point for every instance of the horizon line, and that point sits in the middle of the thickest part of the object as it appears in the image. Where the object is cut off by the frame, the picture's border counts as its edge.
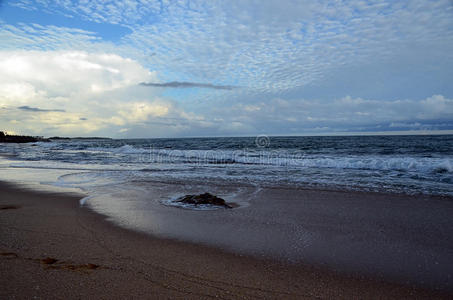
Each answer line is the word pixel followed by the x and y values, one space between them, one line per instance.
pixel 332 134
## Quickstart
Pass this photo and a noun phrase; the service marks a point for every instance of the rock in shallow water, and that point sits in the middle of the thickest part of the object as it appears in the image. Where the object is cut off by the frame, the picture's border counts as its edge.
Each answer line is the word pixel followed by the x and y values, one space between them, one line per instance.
pixel 205 198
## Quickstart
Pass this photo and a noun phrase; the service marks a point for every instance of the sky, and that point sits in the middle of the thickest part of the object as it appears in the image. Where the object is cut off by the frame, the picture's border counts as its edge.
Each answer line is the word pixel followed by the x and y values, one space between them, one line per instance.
pixel 129 69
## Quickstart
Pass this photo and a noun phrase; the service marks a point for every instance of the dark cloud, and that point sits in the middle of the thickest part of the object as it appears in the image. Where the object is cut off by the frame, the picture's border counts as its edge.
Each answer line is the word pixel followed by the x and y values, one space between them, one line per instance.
pixel 36 109
pixel 83 119
pixel 183 84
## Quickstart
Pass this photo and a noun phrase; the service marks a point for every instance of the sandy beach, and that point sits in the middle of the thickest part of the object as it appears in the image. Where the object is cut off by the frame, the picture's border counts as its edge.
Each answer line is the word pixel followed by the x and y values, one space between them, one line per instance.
pixel 53 248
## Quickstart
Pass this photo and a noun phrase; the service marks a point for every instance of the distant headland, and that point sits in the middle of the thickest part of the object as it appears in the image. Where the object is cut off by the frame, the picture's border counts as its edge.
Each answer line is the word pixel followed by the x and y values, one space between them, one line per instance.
pixel 10 138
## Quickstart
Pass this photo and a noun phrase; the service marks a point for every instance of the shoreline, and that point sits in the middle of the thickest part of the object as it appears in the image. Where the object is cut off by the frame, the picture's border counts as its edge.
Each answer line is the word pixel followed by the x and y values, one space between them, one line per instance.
pixel 96 259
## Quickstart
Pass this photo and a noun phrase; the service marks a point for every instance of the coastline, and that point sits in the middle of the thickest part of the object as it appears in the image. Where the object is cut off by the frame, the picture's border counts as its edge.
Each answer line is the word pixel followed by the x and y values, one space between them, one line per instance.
pixel 96 259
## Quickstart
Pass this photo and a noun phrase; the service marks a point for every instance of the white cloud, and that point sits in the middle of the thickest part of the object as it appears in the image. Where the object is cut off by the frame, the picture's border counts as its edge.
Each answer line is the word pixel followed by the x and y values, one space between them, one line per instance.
pixel 113 12
pixel 142 111
pixel 36 37
pixel 274 47
pixel 55 77
pixel 93 91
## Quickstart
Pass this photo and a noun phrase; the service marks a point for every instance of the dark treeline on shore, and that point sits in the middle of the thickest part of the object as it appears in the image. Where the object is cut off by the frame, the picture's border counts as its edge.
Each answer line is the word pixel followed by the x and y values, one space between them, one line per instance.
pixel 10 138
pixel 7 138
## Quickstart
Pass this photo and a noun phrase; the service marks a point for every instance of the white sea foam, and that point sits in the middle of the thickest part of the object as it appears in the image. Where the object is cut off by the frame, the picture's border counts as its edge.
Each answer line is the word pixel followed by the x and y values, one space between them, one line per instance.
pixel 128 149
pixel 84 200
pixel 44 144
pixel 402 163
pixel 445 166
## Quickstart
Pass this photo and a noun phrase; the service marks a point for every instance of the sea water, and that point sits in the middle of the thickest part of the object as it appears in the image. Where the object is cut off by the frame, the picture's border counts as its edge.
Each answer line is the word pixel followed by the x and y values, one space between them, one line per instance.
pixel 397 164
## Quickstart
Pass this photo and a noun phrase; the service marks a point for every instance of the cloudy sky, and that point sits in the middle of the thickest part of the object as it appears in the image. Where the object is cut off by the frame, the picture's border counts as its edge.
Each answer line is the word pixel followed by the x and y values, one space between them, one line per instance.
pixel 136 68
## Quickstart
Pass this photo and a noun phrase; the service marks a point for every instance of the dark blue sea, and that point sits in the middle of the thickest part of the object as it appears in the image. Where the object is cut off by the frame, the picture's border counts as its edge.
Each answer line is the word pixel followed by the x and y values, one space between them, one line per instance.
pixel 398 164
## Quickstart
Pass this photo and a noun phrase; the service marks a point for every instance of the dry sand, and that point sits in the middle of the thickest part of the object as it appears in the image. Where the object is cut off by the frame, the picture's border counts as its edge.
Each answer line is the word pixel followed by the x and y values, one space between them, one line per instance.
pixel 50 247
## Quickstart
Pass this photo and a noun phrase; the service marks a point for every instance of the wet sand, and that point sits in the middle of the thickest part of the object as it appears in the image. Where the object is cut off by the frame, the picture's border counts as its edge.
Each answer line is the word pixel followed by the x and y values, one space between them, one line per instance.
pixel 50 247
pixel 404 238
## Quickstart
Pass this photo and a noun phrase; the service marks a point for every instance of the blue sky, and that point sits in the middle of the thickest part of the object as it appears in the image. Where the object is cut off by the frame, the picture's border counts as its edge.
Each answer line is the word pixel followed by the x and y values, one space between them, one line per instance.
pixel 225 68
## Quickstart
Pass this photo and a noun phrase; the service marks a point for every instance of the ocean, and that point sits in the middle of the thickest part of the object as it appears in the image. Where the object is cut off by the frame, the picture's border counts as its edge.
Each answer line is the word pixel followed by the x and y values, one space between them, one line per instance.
pixel 394 164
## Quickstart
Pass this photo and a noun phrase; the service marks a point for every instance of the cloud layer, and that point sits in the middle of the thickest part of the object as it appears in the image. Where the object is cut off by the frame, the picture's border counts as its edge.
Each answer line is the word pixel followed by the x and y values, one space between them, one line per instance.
pixel 36 109
pixel 295 62
pixel 177 84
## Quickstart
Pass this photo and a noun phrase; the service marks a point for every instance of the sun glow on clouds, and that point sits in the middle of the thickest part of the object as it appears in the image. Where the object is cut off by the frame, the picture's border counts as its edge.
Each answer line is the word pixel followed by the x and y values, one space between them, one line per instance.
pixel 95 90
